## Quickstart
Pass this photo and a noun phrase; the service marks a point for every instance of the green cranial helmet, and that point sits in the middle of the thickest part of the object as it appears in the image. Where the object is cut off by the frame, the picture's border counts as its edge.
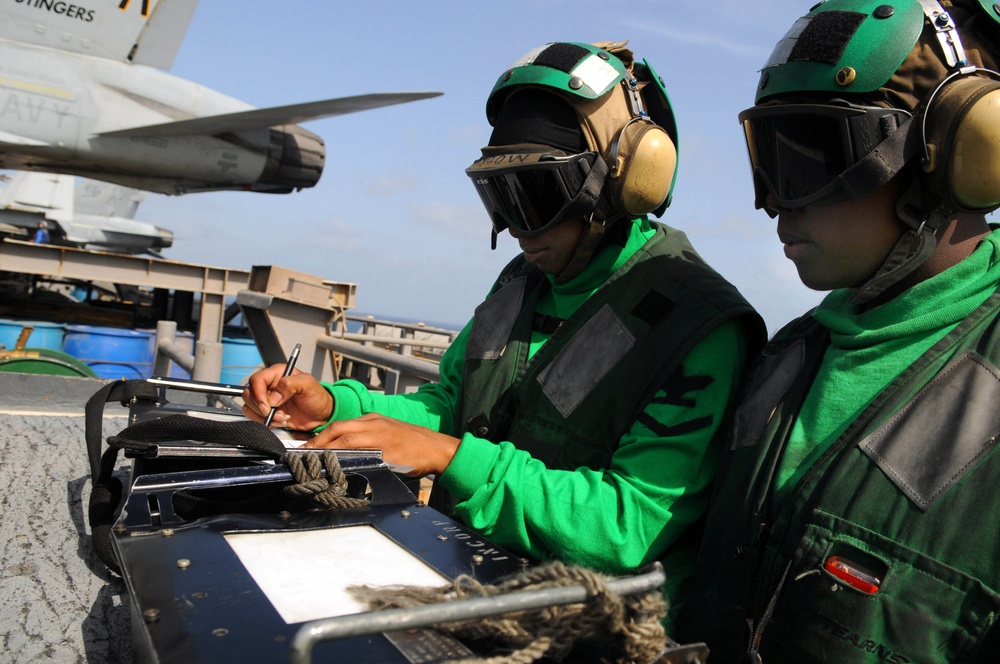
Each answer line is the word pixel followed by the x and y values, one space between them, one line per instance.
pixel 858 91
pixel 617 101
pixel 853 55
pixel 854 47
pixel 842 47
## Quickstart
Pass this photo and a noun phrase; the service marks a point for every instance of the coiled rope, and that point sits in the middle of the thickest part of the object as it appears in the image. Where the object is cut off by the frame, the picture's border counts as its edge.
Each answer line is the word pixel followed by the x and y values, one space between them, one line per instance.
pixel 628 628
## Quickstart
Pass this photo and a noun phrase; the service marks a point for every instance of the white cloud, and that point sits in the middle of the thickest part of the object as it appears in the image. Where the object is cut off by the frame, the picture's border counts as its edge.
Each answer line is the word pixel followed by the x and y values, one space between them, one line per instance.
pixel 394 182
pixel 466 220
pixel 711 40
pixel 475 134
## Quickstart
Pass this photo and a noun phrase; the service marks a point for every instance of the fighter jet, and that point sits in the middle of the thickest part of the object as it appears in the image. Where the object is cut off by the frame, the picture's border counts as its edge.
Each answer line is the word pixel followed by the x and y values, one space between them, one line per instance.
pixel 80 213
pixel 83 92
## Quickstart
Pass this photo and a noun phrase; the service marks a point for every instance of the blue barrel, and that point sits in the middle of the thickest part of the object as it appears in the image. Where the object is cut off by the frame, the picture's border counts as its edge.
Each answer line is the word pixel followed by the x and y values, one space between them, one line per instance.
pixel 45 335
pixel 240 358
pixel 111 352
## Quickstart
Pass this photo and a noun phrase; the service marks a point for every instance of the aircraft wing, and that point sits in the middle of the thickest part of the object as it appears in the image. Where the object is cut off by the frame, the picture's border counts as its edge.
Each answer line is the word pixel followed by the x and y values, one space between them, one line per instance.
pixel 271 117
pixel 161 35
pixel 148 32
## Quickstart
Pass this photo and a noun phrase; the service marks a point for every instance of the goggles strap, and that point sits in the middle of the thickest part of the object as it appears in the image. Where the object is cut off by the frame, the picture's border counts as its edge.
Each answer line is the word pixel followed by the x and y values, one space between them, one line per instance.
pixel 586 200
pixel 881 164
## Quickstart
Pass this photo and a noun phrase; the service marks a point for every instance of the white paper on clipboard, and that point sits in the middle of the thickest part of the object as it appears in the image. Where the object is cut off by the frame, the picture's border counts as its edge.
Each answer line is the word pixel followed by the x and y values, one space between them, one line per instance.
pixel 305 574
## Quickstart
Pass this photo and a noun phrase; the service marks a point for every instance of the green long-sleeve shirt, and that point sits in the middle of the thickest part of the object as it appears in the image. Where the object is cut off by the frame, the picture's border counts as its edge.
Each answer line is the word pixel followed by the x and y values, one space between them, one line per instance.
pixel 612 519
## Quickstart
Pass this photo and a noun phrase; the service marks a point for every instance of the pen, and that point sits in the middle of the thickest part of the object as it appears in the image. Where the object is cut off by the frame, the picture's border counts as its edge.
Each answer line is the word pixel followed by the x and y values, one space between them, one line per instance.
pixel 288 370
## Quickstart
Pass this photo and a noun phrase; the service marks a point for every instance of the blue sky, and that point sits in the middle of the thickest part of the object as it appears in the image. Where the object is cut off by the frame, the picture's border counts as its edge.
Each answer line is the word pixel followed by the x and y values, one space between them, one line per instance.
pixel 394 212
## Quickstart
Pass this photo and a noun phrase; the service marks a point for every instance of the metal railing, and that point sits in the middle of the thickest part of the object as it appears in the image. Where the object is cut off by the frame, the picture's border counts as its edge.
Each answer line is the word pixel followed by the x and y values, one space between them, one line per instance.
pixel 385 356
pixel 376 622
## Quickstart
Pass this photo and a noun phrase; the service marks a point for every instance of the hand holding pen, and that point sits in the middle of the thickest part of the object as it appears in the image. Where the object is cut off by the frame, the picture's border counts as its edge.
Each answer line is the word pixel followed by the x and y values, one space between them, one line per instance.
pixel 289 366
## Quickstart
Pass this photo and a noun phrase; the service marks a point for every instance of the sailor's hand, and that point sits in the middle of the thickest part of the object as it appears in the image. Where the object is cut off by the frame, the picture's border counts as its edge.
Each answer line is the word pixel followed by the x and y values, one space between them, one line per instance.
pixel 427 452
pixel 303 403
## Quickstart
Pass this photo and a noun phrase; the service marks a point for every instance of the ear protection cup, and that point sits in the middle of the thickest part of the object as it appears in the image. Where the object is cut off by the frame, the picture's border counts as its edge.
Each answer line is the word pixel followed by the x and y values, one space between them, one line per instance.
pixel 641 167
pixel 962 137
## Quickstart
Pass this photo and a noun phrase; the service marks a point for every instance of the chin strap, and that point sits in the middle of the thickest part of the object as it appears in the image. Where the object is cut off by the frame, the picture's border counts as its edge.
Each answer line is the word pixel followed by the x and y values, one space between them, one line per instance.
pixel 592 238
pixel 914 246
pixel 912 249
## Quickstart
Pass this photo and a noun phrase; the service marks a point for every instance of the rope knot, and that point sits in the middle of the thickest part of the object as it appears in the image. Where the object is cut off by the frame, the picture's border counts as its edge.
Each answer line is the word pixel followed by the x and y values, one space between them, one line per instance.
pixel 307 469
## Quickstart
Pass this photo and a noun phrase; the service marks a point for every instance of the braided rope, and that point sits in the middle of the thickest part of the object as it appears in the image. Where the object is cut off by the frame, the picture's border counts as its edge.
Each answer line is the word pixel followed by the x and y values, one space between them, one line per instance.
pixel 307 469
pixel 631 625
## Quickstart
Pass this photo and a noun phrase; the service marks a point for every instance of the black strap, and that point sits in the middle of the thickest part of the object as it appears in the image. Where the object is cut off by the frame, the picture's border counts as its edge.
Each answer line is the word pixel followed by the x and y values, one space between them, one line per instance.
pixel 590 192
pixel 245 433
pixel 119 390
pixel 881 164
pixel 106 490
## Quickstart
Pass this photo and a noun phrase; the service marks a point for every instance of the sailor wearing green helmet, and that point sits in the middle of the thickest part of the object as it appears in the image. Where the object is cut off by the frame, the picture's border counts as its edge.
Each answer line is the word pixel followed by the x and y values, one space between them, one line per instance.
pixel 577 413
pixel 857 516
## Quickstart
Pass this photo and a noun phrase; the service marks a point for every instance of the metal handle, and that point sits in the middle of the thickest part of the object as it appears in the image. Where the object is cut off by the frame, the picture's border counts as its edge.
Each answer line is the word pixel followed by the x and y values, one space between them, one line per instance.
pixel 376 622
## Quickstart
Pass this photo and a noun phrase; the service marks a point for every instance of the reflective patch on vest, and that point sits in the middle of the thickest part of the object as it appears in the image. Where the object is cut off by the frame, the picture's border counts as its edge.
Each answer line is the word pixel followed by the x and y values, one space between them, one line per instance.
pixel 592 352
pixel 940 435
pixel 494 321
pixel 756 410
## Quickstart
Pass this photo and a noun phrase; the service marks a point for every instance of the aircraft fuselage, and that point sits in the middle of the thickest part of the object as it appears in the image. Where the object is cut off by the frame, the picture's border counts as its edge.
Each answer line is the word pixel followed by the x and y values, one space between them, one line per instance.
pixel 55 108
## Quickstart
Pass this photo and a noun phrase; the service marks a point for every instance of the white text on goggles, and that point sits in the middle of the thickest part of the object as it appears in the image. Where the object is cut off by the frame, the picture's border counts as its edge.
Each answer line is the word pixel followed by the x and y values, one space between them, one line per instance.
pixel 535 193
pixel 798 152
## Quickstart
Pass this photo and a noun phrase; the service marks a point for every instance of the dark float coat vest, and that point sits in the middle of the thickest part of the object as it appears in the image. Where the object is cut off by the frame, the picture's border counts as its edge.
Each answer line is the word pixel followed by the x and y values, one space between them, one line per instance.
pixel 581 392
pixel 908 495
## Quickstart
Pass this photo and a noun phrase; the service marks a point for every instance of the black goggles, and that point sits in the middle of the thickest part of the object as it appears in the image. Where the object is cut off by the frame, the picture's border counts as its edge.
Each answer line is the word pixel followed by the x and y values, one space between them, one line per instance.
pixel 798 152
pixel 534 192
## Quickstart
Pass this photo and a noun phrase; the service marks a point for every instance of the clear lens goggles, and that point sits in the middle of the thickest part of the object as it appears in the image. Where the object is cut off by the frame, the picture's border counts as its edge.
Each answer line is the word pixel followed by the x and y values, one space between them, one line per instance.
pixel 532 192
pixel 799 151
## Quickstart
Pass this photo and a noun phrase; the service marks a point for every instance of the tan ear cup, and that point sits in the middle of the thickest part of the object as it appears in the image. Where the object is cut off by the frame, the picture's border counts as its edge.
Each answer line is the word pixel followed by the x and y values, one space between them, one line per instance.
pixel 974 167
pixel 963 141
pixel 641 165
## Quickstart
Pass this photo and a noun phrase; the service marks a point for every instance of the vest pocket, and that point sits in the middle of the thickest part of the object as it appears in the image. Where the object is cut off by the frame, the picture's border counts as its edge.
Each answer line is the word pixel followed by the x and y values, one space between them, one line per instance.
pixel 922 611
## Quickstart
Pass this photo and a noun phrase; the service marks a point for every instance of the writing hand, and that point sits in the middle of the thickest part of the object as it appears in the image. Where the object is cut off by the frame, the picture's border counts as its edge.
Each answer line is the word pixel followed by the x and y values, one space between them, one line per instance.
pixel 303 402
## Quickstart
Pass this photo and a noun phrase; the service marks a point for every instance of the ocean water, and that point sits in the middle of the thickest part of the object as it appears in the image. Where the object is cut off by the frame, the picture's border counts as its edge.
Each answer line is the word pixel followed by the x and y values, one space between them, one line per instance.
pixel 354 325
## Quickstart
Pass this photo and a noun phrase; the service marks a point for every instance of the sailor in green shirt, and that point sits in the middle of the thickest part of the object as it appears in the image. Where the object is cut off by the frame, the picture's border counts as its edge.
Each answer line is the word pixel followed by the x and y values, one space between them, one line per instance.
pixel 856 514
pixel 577 414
